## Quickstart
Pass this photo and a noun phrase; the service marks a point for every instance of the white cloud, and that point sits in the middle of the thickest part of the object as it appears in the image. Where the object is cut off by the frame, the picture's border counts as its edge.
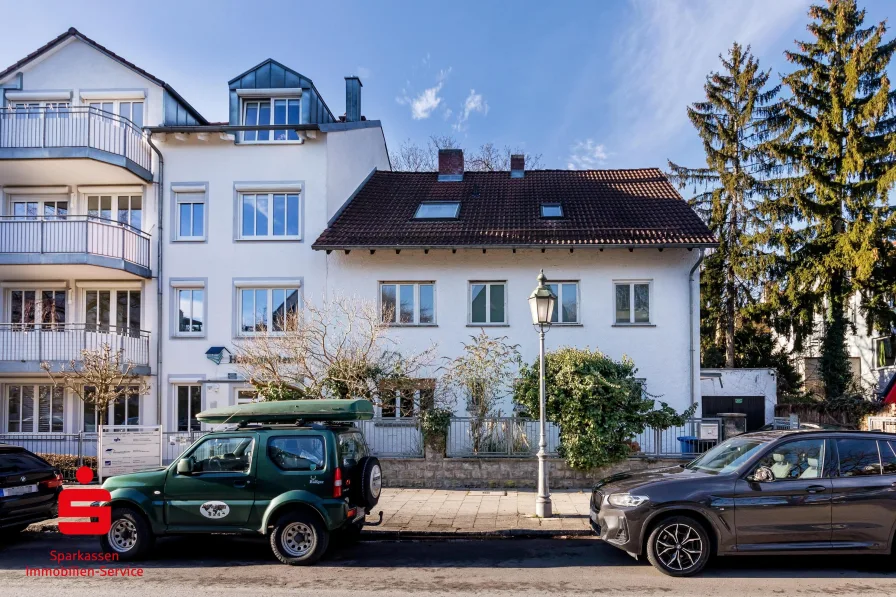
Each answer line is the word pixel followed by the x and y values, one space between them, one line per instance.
pixel 474 103
pixel 586 155
pixel 669 46
pixel 364 72
pixel 424 103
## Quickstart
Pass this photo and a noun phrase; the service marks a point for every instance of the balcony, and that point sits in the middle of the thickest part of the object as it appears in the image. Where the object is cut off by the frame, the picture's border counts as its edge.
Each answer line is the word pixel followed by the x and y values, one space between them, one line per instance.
pixel 23 347
pixel 81 143
pixel 74 240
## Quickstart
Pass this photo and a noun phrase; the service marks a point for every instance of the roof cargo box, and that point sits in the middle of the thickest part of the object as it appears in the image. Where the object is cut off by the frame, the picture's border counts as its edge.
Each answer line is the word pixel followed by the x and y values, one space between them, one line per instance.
pixel 289 411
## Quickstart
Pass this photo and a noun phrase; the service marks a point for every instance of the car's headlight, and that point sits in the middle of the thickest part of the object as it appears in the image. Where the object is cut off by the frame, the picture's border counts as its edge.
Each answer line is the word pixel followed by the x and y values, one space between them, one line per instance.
pixel 626 500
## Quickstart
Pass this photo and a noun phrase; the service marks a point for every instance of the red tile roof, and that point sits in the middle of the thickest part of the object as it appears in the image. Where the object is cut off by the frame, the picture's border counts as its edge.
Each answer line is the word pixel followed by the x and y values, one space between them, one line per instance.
pixel 601 208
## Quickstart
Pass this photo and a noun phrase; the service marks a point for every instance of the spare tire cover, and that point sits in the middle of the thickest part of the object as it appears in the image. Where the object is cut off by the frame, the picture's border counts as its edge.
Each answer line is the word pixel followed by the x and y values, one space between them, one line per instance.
pixel 371 481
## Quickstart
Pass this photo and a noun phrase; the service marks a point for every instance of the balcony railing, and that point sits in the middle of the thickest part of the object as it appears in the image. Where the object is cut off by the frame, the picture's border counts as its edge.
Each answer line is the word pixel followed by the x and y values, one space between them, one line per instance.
pixel 64 342
pixel 78 126
pixel 74 234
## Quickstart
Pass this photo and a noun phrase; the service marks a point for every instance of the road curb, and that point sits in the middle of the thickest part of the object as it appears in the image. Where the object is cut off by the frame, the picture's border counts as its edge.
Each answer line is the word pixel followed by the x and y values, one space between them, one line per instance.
pixel 412 534
pixel 409 534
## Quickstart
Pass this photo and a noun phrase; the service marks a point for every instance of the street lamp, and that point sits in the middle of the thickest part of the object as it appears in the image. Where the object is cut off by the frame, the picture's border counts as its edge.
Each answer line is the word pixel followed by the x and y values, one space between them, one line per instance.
pixel 541 303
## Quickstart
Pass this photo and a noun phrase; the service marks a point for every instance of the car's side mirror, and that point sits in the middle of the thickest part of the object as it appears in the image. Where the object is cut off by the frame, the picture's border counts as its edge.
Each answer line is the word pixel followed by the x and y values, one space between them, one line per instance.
pixel 184 467
pixel 763 474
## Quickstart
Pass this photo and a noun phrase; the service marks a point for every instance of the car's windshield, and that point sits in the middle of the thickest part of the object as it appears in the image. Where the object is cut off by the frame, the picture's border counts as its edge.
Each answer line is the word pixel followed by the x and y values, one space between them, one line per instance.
pixel 727 457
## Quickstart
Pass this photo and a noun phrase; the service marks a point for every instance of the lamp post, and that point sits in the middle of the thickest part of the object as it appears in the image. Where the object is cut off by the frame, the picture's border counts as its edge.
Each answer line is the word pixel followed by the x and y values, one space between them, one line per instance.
pixel 541 303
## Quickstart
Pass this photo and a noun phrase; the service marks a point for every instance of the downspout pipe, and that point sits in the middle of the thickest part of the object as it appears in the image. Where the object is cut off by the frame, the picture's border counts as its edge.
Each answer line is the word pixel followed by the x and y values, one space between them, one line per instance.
pixel 160 199
pixel 691 309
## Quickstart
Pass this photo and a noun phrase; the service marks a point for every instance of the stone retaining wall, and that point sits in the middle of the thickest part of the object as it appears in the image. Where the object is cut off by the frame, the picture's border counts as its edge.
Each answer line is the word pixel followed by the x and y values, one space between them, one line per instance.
pixel 436 472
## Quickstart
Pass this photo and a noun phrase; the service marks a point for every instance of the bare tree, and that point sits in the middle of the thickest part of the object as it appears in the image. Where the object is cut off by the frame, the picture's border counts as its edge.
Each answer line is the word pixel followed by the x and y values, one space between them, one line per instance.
pixel 101 377
pixel 480 377
pixel 338 348
pixel 412 157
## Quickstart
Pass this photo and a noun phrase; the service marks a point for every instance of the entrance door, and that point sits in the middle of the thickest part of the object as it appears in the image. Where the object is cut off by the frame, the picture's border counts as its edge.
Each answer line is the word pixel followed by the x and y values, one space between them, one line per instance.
pixel 752 406
pixel 220 491
pixel 794 510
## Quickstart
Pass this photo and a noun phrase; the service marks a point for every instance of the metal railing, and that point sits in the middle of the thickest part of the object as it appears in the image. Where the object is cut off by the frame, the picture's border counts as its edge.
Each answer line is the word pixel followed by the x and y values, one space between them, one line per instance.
pixel 393 438
pixel 78 126
pixel 498 437
pixel 64 342
pixel 74 234
pixel 681 441
pixel 887 424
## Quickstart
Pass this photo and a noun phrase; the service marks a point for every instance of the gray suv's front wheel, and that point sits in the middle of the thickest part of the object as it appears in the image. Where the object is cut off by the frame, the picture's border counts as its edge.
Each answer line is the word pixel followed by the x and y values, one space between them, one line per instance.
pixel 678 546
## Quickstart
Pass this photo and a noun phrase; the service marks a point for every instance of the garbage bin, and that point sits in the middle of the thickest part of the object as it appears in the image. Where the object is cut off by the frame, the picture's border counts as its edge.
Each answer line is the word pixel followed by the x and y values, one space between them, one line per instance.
pixel 689 444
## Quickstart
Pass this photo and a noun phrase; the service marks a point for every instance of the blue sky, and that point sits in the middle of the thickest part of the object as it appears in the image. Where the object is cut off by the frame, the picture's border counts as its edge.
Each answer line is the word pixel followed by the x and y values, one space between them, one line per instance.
pixel 596 83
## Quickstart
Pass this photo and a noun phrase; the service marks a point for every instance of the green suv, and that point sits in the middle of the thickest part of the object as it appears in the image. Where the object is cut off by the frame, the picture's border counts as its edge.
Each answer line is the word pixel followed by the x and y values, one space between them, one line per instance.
pixel 297 483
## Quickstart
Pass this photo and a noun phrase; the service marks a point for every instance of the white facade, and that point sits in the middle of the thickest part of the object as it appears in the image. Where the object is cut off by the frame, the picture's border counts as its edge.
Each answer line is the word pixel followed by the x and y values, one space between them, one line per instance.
pixel 224 261
pixel 78 230
pixel 192 214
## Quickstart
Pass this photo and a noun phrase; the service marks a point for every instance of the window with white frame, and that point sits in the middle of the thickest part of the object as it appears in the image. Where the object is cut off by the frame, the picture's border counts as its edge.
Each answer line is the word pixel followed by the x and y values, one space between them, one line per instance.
pixel 30 207
pixel 131 110
pixel 118 310
pixel 632 302
pixel 566 307
pixel 121 412
pixel 884 355
pixel 190 311
pixel 31 307
pixel 408 303
pixel 189 403
pixel 34 408
pixel 488 303
pixel 246 396
pixel 271 111
pixel 406 399
pixel 126 209
pixel 270 215
pixel 190 215
pixel 266 309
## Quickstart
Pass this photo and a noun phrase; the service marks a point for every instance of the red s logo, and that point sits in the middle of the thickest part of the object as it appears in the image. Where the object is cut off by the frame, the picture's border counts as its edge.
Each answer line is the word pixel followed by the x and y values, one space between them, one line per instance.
pixel 101 516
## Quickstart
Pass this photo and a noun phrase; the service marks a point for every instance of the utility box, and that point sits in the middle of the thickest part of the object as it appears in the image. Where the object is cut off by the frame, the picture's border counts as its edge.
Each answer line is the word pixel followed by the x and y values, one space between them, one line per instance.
pixel 733 424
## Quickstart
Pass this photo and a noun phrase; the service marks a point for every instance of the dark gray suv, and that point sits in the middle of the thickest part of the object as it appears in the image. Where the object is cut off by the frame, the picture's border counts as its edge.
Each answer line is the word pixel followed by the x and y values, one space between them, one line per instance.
pixel 797 492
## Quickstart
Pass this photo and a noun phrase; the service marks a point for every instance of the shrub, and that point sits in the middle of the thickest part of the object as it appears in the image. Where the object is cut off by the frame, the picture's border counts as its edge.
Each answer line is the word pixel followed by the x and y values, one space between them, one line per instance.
pixel 598 403
pixel 68 463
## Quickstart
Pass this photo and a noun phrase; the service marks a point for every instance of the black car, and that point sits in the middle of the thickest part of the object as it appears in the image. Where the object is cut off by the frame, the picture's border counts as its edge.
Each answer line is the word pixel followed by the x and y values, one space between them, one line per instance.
pixel 29 489
pixel 797 492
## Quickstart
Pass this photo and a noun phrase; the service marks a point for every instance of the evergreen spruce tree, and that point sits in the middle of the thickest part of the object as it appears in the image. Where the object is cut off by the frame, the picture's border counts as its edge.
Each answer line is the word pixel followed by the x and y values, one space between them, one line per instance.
pixel 729 123
pixel 829 224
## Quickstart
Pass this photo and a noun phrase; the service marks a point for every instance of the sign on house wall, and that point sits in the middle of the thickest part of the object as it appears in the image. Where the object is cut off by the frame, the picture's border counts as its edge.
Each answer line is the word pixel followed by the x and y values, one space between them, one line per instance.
pixel 123 450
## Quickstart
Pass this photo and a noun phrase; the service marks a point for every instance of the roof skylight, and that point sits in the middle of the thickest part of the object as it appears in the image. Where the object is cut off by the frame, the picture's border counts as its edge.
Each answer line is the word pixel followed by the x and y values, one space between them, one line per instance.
pixel 551 210
pixel 437 210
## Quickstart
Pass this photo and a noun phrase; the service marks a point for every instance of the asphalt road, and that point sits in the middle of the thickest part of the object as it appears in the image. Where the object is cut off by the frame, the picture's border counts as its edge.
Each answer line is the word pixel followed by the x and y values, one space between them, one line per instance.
pixel 230 566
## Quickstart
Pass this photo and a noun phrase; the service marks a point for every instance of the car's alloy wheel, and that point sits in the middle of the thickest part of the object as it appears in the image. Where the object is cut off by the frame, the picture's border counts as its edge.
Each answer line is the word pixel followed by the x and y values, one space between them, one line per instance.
pixel 678 546
pixel 123 535
pixel 297 539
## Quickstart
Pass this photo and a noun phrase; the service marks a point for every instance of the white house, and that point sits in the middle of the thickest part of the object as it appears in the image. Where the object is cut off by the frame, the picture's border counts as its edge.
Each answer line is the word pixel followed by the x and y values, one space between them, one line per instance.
pixel 287 201
pixel 78 226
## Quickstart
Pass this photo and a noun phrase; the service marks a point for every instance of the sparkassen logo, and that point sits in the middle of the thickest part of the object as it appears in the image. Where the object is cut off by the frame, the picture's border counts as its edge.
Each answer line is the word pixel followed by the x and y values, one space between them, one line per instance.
pixel 100 516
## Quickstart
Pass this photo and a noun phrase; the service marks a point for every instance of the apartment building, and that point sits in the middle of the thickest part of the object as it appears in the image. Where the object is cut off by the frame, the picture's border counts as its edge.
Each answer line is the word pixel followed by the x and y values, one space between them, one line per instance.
pixel 131 220
pixel 78 226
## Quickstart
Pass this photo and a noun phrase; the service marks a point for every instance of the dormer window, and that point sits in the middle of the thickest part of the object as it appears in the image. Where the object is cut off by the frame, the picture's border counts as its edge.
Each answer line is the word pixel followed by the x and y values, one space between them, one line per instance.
pixel 551 210
pixel 438 210
pixel 271 111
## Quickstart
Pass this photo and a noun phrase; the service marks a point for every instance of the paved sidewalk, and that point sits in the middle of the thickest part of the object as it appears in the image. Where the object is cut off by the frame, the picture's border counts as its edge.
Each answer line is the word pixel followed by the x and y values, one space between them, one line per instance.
pixel 478 512
pixel 463 513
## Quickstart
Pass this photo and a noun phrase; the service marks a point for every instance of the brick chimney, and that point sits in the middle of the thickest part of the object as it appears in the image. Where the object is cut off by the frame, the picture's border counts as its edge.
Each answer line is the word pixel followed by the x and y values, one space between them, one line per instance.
pixel 352 99
pixel 451 165
pixel 517 165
